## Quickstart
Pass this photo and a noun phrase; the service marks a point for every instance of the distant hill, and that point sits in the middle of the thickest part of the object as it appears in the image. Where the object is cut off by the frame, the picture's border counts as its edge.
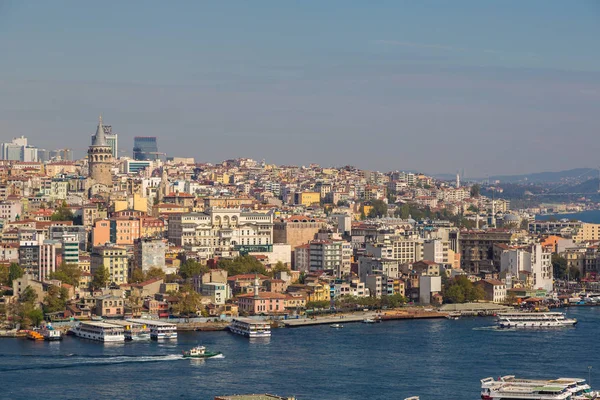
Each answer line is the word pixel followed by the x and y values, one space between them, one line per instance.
pixel 581 174
pixel 590 186
pixel 576 175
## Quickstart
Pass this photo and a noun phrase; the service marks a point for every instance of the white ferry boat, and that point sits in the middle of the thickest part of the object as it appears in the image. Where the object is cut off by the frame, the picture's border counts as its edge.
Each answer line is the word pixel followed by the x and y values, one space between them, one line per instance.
pixel 509 387
pixel 100 331
pixel 133 330
pixel 159 330
pixel 250 328
pixel 534 320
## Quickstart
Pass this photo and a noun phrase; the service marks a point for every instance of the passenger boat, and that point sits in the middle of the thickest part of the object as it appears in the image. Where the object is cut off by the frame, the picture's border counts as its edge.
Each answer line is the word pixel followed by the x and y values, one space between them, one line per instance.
pixel 159 330
pixel 134 331
pixel 368 321
pixel 199 352
pixel 50 334
pixel 337 326
pixel 100 331
pixel 250 328
pixel 534 320
pixel 509 387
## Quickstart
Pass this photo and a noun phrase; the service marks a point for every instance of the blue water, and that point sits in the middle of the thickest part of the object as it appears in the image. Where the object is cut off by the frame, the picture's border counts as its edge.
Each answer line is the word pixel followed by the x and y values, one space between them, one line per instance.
pixel 592 216
pixel 435 359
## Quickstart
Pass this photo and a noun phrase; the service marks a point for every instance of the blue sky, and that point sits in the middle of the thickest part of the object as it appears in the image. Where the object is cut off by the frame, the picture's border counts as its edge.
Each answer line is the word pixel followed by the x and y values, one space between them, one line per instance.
pixel 437 86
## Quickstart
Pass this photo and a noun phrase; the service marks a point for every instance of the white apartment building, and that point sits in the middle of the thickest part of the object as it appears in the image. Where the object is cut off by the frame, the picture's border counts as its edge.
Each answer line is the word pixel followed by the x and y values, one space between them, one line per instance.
pixel 533 260
pixel 403 249
pixel 221 230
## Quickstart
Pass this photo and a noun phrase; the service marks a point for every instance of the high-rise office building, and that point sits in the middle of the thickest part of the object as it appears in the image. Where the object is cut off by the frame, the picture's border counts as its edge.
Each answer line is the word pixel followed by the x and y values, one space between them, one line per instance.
pixel 145 148
pixel 18 150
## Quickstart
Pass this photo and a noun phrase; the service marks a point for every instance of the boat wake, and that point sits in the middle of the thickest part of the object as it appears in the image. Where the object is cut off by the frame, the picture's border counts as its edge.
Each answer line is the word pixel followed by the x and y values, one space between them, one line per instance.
pixel 493 328
pixel 217 356
pixel 94 361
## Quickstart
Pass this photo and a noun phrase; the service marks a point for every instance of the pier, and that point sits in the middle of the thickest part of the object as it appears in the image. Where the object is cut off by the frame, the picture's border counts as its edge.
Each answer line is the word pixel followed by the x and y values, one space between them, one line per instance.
pixel 361 316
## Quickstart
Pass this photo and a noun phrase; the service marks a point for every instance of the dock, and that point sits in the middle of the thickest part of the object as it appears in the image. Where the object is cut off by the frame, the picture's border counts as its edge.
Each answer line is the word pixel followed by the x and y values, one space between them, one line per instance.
pixel 359 317
pixel 476 309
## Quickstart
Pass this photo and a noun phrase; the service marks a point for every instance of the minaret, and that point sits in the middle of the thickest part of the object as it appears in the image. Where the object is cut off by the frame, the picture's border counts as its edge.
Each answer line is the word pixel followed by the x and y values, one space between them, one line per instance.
pixel 163 186
pixel 100 158
pixel 256 286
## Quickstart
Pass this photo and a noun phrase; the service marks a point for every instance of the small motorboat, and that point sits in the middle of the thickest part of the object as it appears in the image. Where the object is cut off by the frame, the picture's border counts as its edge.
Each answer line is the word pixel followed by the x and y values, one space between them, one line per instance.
pixel 34 335
pixel 453 315
pixel 368 321
pixel 199 352
pixel 336 326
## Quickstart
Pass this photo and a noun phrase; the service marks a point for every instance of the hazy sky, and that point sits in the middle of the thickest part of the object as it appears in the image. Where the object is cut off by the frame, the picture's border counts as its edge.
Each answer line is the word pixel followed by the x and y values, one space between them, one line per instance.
pixel 437 86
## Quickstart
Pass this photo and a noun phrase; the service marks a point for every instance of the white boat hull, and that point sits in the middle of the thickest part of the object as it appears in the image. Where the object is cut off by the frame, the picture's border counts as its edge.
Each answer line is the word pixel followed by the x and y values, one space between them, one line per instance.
pixel 100 338
pixel 538 324
pixel 242 332
pixel 163 336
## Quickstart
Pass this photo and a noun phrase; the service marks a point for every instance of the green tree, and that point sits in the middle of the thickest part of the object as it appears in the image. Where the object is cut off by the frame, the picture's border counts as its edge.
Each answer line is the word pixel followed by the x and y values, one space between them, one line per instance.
pixel 67 273
pixel 311 305
pixel 242 265
pixel 36 316
pixel 511 298
pixel 473 208
pixel 378 210
pixel 29 295
pixel 188 302
pixel 14 272
pixel 559 266
pixel 454 294
pixel 56 299
pixel 343 203
pixel 476 190
pixel 154 273
pixel 137 275
pixel 403 211
pixel 574 273
pixel 100 278
pixel 191 268
pixel 461 289
pixel 4 276
pixel 279 267
pixel 63 213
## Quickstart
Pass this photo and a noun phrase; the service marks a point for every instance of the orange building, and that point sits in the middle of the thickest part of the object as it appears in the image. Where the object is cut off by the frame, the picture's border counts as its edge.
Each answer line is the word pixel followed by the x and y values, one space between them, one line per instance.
pixel 101 232
pixel 125 230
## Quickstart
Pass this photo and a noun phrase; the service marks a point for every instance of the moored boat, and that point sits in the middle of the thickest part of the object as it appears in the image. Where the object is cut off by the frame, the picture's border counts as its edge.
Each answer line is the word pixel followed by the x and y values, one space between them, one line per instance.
pixel 510 387
pixel 368 321
pixel 159 330
pixel 454 315
pixel 134 331
pixel 336 326
pixel 34 335
pixel 100 331
pixel 50 334
pixel 200 352
pixel 250 328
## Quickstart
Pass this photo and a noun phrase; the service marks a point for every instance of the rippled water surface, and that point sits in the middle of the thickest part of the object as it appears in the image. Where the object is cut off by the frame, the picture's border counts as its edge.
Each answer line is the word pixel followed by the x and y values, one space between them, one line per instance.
pixel 435 359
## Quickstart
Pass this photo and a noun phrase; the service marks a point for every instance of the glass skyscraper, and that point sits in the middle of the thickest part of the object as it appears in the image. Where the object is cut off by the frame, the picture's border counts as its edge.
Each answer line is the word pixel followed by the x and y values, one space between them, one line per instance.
pixel 145 148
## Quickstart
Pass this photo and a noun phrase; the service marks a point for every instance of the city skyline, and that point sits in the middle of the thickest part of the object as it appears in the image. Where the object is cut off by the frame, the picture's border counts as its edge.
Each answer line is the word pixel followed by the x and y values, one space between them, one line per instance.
pixel 394 86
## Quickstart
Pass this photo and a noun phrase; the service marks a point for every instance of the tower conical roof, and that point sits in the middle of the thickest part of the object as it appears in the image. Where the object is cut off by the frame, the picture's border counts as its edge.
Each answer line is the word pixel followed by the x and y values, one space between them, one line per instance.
pixel 99 139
